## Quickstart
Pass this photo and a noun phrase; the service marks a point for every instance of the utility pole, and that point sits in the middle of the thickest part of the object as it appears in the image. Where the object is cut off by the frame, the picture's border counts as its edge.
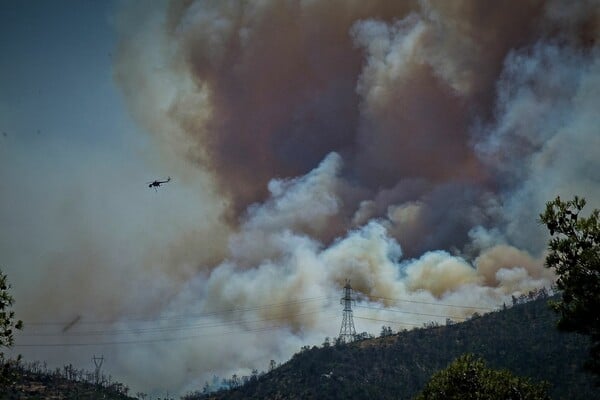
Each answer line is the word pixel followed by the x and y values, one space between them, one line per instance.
pixel 98 363
pixel 347 330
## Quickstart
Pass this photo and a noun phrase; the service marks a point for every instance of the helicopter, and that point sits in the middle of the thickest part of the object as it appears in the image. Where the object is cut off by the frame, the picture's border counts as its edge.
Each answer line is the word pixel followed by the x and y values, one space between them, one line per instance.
pixel 155 184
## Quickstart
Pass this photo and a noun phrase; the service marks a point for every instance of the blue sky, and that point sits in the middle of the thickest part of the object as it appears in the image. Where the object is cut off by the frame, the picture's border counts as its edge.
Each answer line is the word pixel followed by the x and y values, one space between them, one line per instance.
pixel 56 74
pixel 80 227
pixel 74 166
pixel 63 117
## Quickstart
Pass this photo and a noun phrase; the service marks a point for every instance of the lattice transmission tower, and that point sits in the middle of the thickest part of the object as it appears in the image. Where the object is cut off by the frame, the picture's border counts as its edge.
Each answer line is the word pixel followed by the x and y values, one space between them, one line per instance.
pixel 347 330
pixel 98 364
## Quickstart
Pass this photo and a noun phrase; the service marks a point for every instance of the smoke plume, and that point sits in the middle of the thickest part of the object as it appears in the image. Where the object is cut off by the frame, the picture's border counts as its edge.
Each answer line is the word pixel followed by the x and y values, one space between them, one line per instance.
pixel 405 146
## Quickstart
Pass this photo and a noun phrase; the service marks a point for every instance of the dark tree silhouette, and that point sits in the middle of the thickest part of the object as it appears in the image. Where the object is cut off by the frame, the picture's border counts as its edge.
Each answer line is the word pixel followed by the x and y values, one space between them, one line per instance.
pixel 574 253
pixel 8 325
pixel 468 378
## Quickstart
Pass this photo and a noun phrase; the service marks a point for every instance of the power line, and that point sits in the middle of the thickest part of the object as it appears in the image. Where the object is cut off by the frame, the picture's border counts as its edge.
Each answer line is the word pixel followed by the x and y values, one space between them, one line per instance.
pixel 138 331
pixel 411 312
pixel 543 320
pixel 169 328
pixel 432 303
pixel 80 321
pixel 388 321
pixel 154 340
pixel 141 330
pixel 182 316
pixel 147 341
pixel 216 313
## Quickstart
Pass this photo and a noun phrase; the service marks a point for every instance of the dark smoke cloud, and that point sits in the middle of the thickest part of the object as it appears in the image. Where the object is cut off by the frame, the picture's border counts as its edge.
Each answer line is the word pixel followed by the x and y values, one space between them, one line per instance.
pixel 272 87
pixel 407 146
pixel 281 80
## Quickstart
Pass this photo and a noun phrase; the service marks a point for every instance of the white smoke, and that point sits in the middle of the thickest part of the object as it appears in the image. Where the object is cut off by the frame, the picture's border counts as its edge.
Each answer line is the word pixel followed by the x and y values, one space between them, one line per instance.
pixel 423 190
pixel 284 281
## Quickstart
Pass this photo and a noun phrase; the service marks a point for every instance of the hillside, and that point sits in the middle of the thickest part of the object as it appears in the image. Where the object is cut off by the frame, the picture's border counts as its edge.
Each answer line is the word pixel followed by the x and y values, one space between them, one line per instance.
pixel 522 339
pixel 35 381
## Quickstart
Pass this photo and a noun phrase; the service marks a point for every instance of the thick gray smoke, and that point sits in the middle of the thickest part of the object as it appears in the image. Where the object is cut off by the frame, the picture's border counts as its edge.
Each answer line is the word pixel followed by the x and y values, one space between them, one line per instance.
pixel 406 146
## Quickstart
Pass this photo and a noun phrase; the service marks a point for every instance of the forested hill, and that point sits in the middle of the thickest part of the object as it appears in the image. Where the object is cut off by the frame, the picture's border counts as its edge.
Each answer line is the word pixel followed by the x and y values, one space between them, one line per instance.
pixel 35 381
pixel 522 339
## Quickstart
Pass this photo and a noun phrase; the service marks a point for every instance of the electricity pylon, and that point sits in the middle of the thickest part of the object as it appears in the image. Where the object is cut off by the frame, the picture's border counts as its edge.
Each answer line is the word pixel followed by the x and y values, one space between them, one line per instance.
pixel 98 364
pixel 347 330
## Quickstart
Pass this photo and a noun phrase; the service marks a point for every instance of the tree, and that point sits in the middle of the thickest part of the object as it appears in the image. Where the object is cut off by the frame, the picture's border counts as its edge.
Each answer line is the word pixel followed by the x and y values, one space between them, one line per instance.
pixel 7 325
pixel 574 254
pixel 386 331
pixel 468 378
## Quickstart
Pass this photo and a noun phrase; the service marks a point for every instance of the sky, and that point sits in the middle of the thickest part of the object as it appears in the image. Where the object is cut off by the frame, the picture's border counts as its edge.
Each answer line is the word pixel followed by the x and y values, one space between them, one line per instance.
pixel 408 147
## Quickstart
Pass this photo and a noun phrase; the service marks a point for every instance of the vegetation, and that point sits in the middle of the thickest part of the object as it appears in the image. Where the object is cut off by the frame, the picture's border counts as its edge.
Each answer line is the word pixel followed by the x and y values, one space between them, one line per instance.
pixel 522 339
pixel 35 381
pixel 575 256
pixel 8 325
pixel 468 378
